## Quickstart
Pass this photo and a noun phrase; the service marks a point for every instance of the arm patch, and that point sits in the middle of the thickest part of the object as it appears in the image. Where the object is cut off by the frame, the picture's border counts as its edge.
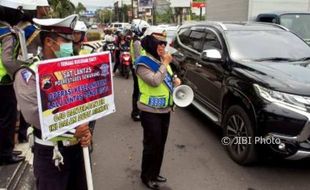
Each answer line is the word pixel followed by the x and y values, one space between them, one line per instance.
pixel 26 75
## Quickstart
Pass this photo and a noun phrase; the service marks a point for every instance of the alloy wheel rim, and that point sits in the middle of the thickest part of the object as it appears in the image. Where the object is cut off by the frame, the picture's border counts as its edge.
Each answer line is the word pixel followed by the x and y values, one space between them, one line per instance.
pixel 236 130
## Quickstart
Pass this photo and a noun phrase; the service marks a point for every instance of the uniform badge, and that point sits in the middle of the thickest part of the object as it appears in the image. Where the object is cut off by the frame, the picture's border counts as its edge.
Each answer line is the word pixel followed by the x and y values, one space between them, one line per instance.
pixel 26 75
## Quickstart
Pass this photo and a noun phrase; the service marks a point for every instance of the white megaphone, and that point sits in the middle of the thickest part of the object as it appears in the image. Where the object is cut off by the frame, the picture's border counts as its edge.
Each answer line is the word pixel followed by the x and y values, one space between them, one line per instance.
pixel 183 95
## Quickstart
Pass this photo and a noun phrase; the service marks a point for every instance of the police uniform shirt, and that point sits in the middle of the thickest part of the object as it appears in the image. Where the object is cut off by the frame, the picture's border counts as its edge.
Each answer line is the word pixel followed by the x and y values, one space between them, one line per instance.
pixel 26 95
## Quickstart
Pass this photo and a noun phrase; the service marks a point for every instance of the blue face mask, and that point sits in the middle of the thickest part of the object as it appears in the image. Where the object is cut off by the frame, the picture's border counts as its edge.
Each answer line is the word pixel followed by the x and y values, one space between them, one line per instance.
pixel 65 50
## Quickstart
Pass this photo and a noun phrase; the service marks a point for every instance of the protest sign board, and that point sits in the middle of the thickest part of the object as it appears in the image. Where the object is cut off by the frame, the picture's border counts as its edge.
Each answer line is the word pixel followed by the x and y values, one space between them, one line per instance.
pixel 72 91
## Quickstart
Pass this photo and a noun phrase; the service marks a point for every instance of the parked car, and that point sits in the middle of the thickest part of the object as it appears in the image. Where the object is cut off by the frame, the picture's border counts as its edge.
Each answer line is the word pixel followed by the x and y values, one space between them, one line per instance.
pixel 94 26
pixel 297 22
pixel 253 80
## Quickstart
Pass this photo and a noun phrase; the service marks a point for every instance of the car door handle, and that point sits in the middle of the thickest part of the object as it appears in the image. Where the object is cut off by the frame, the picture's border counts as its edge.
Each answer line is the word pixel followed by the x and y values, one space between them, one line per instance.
pixel 198 65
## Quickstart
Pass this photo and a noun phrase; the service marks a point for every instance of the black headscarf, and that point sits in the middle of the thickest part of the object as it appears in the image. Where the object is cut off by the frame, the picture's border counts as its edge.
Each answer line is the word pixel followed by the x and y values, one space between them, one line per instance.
pixel 13 16
pixel 149 44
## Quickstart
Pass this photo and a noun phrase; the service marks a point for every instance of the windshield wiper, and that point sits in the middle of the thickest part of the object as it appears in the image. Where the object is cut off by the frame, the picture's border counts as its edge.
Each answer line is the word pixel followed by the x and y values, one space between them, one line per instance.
pixel 275 59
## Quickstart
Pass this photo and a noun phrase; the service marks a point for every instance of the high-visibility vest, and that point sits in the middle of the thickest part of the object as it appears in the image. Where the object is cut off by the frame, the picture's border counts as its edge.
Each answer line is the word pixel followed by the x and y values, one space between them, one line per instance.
pixel 30 32
pixel 132 51
pixel 159 96
pixel 4 76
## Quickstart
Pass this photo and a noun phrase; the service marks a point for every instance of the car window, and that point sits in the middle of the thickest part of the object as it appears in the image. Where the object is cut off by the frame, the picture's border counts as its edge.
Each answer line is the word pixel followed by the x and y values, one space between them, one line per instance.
pixel 243 45
pixel 196 40
pixel 211 41
pixel 183 35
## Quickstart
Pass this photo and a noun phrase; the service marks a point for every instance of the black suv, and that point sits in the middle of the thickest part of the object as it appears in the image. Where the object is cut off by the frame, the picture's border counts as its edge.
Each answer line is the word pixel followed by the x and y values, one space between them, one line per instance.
pixel 253 80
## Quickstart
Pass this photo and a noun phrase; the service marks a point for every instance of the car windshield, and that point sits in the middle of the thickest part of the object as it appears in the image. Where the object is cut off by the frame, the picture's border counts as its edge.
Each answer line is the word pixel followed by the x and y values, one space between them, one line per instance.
pixel 266 44
pixel 297 23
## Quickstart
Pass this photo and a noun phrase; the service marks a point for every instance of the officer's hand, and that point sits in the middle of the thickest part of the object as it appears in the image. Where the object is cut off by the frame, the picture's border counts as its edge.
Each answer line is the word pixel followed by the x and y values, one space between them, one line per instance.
pixel 81 131
pixel 176 81
pixel 167 58
pixel 86 139
pixel 83 134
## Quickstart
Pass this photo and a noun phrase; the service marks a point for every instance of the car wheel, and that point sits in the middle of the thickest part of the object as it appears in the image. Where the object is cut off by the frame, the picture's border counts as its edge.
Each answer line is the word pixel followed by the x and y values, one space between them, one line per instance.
pixel 238 127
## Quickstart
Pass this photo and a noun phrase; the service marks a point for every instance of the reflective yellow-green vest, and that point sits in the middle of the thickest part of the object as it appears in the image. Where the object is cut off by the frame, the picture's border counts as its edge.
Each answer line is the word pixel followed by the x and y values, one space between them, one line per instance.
pixel 30 32
pixel 4 76
pixel 155 96
pixel 132 51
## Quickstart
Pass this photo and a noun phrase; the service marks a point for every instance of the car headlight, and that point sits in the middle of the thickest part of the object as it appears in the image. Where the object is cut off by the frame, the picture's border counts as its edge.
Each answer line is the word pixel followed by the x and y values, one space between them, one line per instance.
pixel 294 101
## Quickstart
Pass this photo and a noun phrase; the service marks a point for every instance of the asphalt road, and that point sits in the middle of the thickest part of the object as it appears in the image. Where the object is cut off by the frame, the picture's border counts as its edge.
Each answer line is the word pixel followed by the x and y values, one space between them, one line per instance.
pixel 194 159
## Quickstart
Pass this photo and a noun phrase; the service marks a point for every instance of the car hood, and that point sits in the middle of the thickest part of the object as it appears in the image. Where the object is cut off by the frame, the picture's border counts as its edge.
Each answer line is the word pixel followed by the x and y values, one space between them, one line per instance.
pixel 289 77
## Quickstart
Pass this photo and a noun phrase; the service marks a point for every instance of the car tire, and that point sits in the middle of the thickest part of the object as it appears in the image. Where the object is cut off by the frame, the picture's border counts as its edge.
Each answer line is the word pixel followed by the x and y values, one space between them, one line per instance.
pixel 238 127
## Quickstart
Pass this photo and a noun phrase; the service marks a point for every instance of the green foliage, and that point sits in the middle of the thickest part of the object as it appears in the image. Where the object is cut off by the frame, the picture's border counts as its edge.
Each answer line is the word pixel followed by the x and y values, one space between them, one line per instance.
pixel 196 17
pixel 166 17
pixel 124 13
pixel 104 16
pixel 80 8
pixel 64 8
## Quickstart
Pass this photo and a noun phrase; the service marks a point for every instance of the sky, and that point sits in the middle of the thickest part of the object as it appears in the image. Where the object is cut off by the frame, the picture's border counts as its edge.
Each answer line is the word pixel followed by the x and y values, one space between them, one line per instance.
pixel 93 4
pixel 90 4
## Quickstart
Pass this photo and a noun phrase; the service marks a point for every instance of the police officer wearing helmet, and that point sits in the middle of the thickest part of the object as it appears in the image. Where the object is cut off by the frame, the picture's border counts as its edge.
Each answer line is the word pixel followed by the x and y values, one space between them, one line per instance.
pixel 12 13
pixel 56 37
pixel 156 83
pixel 79 32
pixel 43 8
pixel 33 45
pixel 138 27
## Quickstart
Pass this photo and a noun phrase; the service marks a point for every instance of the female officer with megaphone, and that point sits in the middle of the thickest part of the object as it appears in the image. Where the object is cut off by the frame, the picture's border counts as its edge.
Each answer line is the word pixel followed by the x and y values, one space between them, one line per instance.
pixel 156 83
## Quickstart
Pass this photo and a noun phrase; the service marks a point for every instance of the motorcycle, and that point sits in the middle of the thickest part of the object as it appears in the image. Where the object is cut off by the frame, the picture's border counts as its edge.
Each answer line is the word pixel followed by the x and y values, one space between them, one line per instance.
pixel 110 46
pixel 125 61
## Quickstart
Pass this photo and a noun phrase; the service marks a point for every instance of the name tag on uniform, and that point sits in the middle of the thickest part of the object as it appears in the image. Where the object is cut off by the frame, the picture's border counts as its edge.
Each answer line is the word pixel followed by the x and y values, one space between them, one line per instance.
pixel 157 102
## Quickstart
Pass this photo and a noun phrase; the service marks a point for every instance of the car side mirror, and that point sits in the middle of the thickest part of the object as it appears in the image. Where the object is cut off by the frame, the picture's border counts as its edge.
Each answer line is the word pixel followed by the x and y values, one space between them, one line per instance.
pixel 211 55
pixel 179 56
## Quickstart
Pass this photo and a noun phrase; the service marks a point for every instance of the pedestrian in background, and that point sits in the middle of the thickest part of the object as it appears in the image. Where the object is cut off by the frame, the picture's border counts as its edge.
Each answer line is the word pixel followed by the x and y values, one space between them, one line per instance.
pixel 118 39
pixel 156 82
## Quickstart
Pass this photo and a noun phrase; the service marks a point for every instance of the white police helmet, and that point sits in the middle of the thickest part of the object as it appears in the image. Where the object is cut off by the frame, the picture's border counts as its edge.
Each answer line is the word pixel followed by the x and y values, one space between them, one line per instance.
pixel 41 3
pixel 63 26
pixel 19 4
pixel 138 25
pixel 158 32
pixel 80 26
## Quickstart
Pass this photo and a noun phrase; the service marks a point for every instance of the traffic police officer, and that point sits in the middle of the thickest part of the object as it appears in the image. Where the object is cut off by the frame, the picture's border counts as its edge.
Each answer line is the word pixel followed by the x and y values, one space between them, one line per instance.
pixel 156 83
pixel 135 51
pixel 55 36
pixel 11 14
pixel 80 30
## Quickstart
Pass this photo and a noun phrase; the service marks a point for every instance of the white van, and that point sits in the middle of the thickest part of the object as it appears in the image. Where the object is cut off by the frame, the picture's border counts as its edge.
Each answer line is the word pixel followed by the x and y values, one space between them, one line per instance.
pixel 120 25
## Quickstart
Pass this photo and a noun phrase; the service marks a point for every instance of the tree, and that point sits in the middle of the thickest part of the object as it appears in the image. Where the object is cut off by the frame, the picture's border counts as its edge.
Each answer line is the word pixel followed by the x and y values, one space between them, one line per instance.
pixel 104 15
pixel 61 8
pixel 80 8
pixel 165 17
pixel 123 11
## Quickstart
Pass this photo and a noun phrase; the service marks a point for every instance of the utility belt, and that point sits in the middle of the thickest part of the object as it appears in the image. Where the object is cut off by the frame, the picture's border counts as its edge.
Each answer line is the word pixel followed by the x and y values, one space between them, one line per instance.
pixel 35 135
pixel 63 143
